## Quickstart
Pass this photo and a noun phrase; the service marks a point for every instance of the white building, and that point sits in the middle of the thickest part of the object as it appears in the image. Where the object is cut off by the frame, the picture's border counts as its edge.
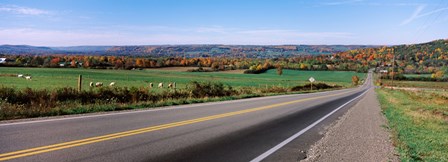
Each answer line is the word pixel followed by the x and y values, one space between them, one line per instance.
pixel 2 60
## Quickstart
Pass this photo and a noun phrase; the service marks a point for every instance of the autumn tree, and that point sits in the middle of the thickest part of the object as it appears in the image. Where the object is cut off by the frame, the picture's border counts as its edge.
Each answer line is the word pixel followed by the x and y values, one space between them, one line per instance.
pixel 215 66
pixel 73 63
pixel 438 74
pixel 266 65
pixel 118 64
pixel 139 62
pixel 184 62
pixel 129 64
pixel 355 80
pixel 259 67
pixel 303 66
pixel 279 70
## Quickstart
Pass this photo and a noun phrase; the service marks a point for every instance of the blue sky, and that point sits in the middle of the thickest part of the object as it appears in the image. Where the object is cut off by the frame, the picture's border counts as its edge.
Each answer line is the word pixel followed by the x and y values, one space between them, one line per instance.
pixel 256 22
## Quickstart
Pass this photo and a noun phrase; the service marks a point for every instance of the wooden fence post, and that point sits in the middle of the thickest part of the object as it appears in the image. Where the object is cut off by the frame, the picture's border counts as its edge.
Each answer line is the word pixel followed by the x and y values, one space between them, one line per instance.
pixel 79 83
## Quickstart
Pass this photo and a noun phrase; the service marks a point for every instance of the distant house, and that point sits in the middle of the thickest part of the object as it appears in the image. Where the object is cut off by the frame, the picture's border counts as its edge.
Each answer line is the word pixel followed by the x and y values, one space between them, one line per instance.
pixel 383 71
pixel 2 60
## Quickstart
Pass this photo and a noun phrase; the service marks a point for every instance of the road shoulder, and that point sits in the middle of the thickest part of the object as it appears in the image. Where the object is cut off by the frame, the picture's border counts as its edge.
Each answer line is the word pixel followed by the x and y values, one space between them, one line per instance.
pixel 359 135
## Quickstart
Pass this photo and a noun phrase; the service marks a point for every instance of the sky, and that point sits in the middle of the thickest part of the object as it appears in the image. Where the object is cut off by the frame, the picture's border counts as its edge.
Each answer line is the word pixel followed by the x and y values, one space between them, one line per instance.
pixel 244 22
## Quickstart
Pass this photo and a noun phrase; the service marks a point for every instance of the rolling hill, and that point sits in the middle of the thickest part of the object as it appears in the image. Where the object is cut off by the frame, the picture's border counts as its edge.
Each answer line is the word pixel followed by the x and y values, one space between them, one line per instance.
pixel 251 51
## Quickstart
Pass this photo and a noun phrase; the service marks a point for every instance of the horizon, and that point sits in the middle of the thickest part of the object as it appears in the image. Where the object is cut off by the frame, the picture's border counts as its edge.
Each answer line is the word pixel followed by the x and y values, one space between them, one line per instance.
pixel 231 22
pixel 226 44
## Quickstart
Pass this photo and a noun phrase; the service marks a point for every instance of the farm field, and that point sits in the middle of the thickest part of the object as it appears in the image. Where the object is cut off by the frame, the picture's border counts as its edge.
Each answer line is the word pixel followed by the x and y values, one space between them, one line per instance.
pixel 417 75
pixel 418 84
pixel 52 78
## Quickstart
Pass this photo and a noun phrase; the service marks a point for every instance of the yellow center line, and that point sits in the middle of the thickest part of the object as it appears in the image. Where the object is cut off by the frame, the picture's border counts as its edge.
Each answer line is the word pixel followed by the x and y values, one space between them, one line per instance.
pixel 64 145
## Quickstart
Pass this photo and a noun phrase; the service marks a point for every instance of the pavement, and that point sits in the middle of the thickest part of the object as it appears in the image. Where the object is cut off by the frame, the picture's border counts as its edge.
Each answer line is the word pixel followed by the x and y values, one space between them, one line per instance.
pixel 360 135
pixel 257 129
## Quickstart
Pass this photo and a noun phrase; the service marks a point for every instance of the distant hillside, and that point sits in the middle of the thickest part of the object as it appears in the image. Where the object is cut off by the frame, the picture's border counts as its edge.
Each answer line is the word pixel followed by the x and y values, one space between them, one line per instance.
pixel 24 49
pixel 82 48
pixel 251 51
pixel 425 58
pixel 415 58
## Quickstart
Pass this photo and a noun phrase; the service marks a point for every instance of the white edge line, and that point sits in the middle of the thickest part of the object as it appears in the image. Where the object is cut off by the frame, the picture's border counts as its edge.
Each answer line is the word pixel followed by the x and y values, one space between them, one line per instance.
pixel 163 108
pixel 280 145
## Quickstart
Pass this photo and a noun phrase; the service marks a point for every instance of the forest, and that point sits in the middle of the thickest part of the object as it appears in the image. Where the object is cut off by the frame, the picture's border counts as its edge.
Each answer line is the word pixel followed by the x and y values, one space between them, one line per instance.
pixel 426 58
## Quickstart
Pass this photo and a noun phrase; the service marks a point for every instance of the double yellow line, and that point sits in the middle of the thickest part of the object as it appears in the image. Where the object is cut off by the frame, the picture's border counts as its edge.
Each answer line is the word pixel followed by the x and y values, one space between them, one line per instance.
pixel 60 146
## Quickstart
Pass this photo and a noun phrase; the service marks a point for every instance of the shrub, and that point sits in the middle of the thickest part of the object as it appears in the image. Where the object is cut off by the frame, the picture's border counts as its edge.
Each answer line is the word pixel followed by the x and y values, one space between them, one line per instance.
pixel 274 89
pixel 209 89
pixel 255 71
pixel 316 86
pixel 200 69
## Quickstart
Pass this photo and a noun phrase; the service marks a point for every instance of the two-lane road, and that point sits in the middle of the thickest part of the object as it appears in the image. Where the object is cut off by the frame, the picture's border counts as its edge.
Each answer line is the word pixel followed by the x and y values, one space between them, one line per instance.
pixel 241 130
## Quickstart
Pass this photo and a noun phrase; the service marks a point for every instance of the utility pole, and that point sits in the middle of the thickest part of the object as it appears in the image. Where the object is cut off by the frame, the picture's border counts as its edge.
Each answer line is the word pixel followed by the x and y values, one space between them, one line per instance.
pixel 393 66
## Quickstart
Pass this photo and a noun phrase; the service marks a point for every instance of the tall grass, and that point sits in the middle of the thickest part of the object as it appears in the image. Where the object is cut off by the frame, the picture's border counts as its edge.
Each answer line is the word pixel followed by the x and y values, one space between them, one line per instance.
pixel 419 121
pixel 29 102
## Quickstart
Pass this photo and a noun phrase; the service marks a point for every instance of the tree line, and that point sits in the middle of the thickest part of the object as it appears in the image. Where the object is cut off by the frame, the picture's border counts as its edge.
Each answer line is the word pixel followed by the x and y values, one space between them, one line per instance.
pixel 427 58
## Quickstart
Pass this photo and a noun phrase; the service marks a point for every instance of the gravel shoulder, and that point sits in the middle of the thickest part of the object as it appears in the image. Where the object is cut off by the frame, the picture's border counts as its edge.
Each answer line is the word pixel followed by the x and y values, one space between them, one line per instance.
pixel 360 135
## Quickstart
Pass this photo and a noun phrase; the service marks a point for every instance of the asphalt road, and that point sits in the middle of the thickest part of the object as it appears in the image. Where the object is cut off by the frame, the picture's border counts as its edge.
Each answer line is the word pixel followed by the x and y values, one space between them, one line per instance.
pixel 241 130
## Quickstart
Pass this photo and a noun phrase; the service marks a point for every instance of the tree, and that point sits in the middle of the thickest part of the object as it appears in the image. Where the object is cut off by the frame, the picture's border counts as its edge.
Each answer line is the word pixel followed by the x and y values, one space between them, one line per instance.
pixel 139 62
pixel 266 65
pixel 73 63
pixel 355 80
pixel 279 70
pixel 118 64
pixel 215 66
pixel 438 75
pixel 259 67
pixel 184 62
pixel 253 67
pixel 409 69
pixel 303 66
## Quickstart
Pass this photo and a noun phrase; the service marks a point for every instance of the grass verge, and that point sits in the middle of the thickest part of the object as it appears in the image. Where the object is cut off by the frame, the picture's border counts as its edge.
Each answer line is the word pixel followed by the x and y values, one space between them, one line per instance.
pixel 419 122
pixel 28 103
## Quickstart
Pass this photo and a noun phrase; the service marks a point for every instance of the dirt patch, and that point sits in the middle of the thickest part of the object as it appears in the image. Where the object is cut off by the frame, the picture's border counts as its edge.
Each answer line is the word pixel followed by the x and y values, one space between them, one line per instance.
pixel 179 69
pixel 241 71
pixel 8 75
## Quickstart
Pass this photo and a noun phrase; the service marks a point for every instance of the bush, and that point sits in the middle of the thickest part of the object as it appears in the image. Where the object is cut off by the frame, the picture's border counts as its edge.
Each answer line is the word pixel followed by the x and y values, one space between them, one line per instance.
pixel 33 103
pixel 209 89
pixel 250 71
pixel 274 89
pixel 200 69
pixel 404 78
pixel 316 86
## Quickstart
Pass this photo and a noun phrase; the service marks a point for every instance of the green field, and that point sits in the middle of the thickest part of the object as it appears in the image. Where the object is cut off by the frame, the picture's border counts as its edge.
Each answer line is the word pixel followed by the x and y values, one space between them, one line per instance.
pixel 419 84
pixel 419 122
pixel 420 76
pixel 51 78
pixel 417 75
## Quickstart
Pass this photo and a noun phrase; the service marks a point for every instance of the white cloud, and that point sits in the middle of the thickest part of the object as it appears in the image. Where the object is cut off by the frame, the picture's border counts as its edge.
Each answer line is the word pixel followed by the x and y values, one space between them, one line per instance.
pixel 418 14
pixel 19 10
pixel 294 33
pixel 414 15
pixel 213 29
pixel 200 35
pixel 51 37
pixel 341 2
